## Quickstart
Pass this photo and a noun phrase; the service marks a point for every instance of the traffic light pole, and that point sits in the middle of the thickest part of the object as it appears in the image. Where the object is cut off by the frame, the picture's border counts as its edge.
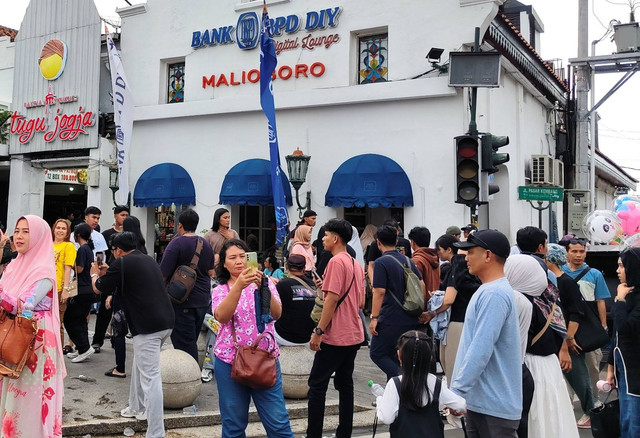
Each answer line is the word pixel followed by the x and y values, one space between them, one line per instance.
pixel 473 126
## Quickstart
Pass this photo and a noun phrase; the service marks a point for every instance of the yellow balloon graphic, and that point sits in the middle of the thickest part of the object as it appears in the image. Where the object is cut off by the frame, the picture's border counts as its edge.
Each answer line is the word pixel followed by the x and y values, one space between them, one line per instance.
pixel 52 59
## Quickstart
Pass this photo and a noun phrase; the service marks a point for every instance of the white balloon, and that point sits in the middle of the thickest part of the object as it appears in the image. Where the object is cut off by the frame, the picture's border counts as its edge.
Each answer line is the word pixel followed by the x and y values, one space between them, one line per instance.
pixel 603 229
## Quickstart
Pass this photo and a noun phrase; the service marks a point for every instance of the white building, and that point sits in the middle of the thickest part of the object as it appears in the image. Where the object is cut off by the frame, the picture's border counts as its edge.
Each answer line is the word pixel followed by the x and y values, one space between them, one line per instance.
pixel 323 109
pixel 352 81
pixel 7 54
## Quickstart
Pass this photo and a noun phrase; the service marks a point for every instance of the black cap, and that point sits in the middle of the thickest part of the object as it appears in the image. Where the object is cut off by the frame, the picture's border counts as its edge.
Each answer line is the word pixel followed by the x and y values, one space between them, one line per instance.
pixel 469 227
pixel 493 240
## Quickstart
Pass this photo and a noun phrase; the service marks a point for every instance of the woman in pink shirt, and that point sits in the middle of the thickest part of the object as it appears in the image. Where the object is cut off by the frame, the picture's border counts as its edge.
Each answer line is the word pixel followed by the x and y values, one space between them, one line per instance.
pixel 302 246
pixel 233 305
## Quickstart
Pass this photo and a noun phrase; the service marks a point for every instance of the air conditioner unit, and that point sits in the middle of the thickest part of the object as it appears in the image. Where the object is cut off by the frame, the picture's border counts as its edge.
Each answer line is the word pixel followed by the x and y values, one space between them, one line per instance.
pixel 558 173
pixel 542 169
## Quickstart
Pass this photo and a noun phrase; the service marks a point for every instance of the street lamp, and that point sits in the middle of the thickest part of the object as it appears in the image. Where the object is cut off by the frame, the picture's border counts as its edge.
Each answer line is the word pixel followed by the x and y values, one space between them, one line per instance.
pixel 297 166
pixel 113 183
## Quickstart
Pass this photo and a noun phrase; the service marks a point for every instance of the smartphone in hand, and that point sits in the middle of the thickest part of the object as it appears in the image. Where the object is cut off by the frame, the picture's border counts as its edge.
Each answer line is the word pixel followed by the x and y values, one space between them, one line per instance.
pixel 99 258
pixel 252 261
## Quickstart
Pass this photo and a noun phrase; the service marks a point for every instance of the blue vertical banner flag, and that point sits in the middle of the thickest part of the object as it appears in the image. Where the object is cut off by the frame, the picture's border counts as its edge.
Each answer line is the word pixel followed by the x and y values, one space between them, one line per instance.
pixel 268 62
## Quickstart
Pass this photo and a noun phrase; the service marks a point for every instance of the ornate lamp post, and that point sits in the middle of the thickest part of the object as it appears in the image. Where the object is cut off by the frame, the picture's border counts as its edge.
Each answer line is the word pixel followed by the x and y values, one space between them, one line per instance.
pixel 297 166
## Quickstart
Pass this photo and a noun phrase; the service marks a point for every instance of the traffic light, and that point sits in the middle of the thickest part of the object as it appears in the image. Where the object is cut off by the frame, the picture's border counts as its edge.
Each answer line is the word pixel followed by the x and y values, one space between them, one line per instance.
pixel 490 156
pixel 467 169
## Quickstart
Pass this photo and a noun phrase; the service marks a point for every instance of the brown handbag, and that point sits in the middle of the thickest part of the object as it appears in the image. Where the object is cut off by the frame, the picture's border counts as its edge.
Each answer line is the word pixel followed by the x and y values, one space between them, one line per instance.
pixel 17 342
pixel 253 366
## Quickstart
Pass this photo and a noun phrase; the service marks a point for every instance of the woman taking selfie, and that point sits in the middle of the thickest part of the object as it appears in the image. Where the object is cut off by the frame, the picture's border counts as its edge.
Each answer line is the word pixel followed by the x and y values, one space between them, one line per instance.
pixel 31 406
pixel 234 306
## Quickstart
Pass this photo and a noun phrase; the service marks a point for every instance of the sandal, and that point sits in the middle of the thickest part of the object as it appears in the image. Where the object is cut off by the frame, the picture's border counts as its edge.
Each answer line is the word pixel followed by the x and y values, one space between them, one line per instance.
pixel 111 373
pixel 67 349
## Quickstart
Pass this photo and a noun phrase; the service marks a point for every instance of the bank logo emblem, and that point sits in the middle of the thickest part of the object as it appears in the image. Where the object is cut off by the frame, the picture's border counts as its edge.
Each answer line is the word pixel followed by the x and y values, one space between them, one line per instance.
pixel 248 30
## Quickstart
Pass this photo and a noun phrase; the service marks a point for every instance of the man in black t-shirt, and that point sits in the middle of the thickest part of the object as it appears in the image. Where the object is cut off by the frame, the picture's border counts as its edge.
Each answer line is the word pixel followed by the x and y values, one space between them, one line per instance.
pixel 137 279
pixel 120 213
pixel 298 296
pixel 190 314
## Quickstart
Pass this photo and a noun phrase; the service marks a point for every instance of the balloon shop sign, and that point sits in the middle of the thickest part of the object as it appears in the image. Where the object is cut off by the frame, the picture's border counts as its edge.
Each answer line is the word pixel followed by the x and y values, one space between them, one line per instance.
pixel 246 32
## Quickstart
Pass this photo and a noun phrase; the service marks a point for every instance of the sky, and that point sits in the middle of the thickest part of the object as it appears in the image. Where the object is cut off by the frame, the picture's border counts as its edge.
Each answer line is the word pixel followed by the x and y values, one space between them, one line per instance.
pixel 619 132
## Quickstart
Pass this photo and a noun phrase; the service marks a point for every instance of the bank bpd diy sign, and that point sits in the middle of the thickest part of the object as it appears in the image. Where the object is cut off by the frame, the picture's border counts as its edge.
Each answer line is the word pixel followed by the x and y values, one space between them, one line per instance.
pixel 56 124
pixel 246 34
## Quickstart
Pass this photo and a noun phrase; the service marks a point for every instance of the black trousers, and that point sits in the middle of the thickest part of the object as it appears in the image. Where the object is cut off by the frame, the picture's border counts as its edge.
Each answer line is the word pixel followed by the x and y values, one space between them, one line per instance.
pixel 75 320
pixel 187 328
pixel 328 360
pixel 528 387
pixel 103 318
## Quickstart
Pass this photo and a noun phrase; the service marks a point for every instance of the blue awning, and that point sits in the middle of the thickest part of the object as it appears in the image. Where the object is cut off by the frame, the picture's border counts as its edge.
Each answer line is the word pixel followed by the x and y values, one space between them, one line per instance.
pixel 164 184
pixel 249 182
pixel 369 179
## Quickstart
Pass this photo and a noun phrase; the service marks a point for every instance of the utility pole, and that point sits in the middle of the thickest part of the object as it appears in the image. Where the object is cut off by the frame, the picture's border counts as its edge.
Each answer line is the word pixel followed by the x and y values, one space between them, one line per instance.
pixel 583 77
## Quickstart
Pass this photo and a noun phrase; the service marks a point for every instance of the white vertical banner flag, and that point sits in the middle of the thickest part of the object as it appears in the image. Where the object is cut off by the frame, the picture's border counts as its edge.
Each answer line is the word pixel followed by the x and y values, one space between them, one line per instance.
pixel 123 118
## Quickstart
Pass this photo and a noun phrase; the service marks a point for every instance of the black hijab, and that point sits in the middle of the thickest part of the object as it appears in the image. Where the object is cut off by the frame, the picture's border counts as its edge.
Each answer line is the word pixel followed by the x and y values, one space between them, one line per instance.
pixel 631 262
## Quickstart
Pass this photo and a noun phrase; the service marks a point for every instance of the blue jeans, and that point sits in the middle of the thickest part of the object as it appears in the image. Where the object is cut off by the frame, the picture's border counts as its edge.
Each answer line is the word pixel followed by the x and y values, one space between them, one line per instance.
pixel 629 405
pixel 234 405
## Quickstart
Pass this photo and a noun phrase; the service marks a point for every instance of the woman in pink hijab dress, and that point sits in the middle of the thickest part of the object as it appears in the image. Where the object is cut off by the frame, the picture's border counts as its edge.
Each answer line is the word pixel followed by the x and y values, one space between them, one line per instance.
pixel 31 406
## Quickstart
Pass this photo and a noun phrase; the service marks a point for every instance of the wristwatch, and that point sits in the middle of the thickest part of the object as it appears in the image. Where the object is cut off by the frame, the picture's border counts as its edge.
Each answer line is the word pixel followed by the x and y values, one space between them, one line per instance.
pixel 94 275
pixel 318 331
pixel 620 299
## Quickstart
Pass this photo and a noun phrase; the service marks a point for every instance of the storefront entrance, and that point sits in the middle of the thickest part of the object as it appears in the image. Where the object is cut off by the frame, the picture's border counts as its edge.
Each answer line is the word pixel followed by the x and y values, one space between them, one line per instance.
pixel 63 196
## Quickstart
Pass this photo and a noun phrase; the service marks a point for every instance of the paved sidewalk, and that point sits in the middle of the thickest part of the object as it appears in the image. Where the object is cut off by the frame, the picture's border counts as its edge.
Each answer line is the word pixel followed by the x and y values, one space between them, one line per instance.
pixel 93 401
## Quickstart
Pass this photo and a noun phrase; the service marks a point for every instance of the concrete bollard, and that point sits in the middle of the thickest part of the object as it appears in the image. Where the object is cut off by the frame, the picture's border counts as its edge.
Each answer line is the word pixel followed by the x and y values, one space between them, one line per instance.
pixel 295 367
pixel 180 379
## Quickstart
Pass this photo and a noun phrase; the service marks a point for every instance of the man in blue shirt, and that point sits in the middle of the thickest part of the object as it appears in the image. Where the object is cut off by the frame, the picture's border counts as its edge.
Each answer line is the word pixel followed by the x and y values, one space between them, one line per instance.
pixel 594 290
pixel 488 369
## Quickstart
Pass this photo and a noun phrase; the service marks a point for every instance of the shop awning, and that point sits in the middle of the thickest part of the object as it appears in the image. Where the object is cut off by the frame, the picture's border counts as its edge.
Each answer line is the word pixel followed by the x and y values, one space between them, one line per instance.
pixel 369 179
pixel 249 182
pixel 164 184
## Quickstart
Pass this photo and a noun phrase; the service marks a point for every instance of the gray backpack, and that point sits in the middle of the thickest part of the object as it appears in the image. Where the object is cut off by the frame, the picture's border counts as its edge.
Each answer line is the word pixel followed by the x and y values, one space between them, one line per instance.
pixel 413 297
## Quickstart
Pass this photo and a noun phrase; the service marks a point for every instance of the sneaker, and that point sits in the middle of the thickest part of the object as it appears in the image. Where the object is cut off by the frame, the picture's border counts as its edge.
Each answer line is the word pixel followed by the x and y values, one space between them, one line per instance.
pixel 584 422
pixel 131 413
pixel 72 355
pixel 83 356
pixel 96 347
pixel 207 375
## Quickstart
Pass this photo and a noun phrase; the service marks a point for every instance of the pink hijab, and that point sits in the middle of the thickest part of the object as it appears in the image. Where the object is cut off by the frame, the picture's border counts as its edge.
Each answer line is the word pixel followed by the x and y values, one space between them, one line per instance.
pixel 35 264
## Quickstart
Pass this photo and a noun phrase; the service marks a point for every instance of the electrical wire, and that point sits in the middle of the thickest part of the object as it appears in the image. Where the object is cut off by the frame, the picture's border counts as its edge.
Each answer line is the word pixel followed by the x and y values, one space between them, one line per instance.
pixel 593 12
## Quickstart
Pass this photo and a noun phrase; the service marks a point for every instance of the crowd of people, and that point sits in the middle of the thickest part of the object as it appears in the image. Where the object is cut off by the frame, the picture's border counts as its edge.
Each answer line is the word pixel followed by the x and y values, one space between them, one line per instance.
pixel 498 342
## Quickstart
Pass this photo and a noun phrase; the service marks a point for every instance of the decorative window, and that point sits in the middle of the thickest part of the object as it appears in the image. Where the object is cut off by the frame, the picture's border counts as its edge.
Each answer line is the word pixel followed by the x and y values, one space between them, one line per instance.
pixel 372 58
pixel 176 83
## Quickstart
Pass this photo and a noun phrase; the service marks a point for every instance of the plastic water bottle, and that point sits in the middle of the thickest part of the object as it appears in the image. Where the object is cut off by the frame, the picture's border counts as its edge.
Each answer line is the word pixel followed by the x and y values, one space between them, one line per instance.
pixel 190 410
pixel 27 308
pixel 376 390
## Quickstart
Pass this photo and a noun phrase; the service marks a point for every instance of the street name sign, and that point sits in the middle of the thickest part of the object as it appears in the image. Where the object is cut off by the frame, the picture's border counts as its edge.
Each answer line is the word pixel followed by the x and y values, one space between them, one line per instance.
pixel 533 193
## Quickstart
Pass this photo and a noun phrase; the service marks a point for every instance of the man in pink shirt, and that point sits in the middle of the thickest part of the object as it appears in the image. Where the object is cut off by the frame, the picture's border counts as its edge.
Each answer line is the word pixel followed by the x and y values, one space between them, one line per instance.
pixel 339 333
